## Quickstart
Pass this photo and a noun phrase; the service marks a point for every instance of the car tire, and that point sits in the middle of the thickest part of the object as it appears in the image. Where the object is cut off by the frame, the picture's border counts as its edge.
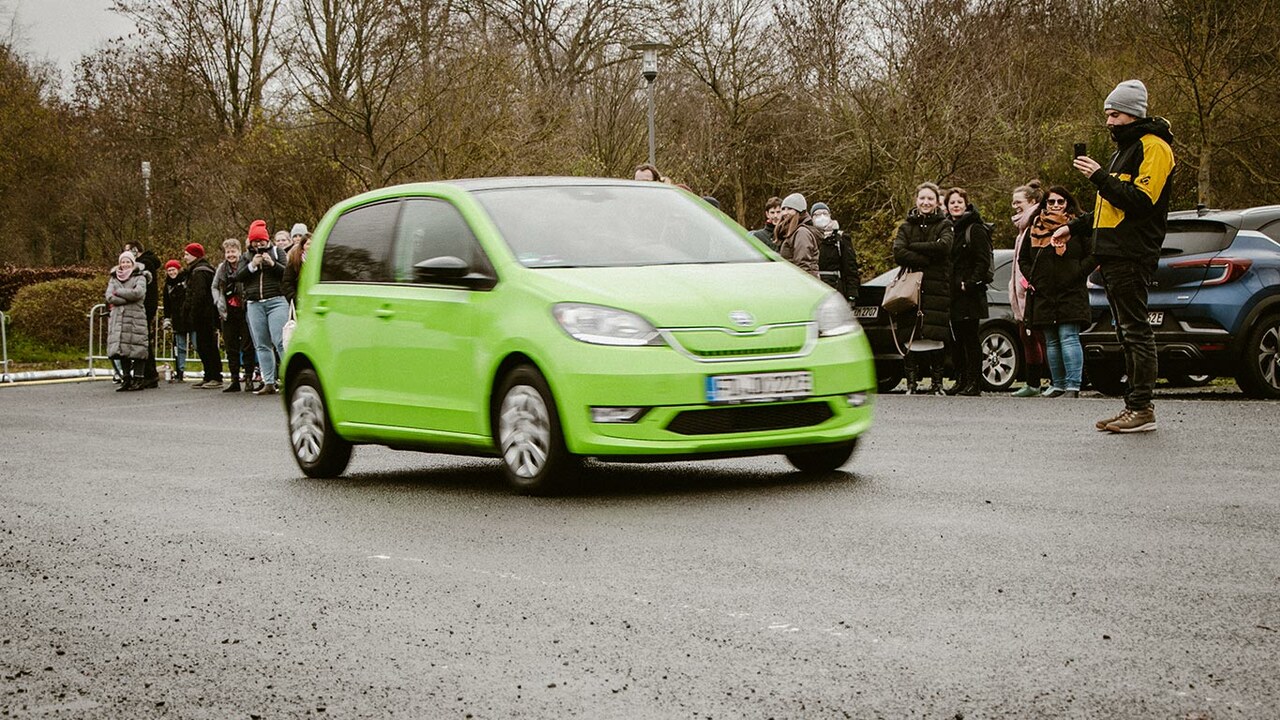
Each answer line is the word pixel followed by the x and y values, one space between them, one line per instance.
pixel 888 381
pixel 1001 357
pixel 1107 378
pixel 529 437
pixel 318 449
pixel 1259 374
pixel 822 459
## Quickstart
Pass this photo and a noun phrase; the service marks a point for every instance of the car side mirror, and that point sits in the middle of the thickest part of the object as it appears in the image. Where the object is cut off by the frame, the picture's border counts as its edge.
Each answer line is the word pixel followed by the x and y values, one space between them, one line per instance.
pixel 445 267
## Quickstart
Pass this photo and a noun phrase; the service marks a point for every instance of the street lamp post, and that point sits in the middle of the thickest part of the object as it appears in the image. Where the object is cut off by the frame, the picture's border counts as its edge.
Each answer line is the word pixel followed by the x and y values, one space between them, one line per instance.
pixel 650 71
pixel 146 192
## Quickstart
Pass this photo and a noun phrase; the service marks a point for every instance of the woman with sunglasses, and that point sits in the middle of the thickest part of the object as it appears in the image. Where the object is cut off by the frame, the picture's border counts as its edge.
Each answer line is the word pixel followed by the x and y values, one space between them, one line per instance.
pixel 1057 297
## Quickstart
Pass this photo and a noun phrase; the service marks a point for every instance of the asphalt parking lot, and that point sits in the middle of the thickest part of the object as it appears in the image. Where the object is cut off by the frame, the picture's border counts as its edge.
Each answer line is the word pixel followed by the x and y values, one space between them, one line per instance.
pixel 979 557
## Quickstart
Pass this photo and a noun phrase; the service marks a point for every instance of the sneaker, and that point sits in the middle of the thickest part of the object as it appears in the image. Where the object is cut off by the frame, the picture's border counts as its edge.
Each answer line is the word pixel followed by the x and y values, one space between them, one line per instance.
pixel 1134 421
pixel 1052 392
pixel 266 390
pixel 1026 391
pixel 1102 424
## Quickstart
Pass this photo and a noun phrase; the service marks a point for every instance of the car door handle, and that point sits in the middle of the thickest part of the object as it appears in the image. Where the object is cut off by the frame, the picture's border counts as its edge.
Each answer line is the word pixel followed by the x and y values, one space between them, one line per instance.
pixel 384 312
pixel 321 308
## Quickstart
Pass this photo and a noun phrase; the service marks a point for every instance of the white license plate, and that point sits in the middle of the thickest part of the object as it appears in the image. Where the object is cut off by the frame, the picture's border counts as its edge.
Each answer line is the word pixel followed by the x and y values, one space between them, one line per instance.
pixel 759 387
pixel 866 311
pixel 1155 318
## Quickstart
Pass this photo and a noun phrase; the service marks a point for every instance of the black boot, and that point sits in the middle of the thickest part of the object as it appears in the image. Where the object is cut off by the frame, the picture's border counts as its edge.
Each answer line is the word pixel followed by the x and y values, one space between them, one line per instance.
pixel 973 374
pixel 935 373
pixel 913 379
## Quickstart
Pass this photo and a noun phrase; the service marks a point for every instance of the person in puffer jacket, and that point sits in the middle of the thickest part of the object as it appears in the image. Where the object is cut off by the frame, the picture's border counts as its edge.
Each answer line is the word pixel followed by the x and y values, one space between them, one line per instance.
pixel 127 324
pixel 260 279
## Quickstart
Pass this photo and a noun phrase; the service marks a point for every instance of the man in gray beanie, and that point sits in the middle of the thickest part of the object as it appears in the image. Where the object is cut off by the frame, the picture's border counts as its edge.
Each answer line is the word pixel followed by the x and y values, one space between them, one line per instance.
pixel 798 239
pixel 1128 226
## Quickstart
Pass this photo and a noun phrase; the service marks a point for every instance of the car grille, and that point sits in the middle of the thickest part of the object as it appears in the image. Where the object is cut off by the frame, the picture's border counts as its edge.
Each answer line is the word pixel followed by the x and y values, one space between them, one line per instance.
pixel 718 343
pixel 750 418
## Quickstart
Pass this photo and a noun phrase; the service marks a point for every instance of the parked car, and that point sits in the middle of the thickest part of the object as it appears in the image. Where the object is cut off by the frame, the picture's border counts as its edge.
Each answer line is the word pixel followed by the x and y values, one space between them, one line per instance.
pixel 1215 304
pixel 543 320
pixel 998 334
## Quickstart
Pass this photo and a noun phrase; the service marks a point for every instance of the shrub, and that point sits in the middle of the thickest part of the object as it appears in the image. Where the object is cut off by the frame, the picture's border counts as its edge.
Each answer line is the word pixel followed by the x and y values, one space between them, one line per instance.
pixel 57 312
pixel 14 278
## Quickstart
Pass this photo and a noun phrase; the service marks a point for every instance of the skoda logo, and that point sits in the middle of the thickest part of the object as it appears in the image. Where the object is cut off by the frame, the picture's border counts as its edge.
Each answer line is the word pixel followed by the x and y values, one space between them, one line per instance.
pixel 742 318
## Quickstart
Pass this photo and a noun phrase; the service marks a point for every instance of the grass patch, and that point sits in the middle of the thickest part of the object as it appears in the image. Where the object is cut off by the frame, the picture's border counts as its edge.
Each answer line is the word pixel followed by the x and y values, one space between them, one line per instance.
pixel 27 354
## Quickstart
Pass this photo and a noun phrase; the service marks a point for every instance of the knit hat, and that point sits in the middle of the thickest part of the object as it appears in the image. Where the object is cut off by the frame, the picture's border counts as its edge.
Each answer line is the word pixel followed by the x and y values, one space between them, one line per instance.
pixel 796 202
pixel 298 229
pixel 195 249
pixel 1129 97
pixel 819 206
pixel 175 263
pixel 258 230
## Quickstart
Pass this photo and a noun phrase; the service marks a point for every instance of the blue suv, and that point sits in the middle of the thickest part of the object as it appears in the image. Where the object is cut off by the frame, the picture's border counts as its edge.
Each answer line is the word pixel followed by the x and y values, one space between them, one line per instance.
pixel 1215 304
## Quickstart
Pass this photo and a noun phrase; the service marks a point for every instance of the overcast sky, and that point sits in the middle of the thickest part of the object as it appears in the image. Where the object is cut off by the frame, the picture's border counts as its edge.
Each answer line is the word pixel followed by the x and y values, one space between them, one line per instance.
pixel 63 30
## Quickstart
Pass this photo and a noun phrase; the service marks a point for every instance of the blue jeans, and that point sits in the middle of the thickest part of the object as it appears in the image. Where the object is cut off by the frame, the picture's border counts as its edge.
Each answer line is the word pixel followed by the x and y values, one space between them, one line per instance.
pixel 180 343
pixel 1066 357
pixel 1127 282
pixel 266 324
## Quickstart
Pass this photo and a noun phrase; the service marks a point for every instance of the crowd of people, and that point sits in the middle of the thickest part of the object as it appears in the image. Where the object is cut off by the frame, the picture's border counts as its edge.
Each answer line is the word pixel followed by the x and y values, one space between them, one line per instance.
pixel 244 301
pixel 1058 246
pixel 943 237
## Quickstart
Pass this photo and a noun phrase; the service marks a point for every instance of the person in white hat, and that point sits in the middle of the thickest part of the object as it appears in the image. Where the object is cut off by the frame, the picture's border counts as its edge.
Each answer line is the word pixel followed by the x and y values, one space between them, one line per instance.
pixel 798 239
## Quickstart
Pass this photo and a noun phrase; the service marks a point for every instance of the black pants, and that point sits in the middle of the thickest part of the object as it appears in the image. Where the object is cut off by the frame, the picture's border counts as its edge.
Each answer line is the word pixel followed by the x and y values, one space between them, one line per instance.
pixel 207 349
pixel 238 344
pixel 1127 282
pixel 966 355
pixel 148 369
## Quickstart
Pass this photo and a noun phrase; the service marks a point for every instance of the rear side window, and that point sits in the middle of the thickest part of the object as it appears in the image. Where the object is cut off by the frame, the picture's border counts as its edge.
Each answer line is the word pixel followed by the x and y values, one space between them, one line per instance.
pixel 432 228
pixel 1272 230
pixel 1002 275
pixel 1196 237
pixel 358 248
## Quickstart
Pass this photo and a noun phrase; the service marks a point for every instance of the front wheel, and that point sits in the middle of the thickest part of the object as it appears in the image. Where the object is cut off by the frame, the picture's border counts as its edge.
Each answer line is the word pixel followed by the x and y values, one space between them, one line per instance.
pixel 1001 358
pixel 530 439
pixel 317 448
pixel 1259 374
pixel 823 459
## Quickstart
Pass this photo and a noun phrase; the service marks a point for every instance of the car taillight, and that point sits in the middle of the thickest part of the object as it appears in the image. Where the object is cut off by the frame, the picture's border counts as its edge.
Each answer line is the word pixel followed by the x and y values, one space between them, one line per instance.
pixel 1230 268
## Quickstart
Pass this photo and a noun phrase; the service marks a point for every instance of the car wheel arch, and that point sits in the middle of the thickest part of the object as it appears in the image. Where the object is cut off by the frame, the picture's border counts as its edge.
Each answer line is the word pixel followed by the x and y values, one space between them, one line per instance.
pixel 1263 307
pixel 510 362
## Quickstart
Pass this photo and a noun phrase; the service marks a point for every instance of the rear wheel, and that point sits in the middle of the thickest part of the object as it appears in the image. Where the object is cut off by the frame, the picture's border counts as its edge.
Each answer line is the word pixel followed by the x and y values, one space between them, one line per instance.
pixel 888 381
pixel 1001 359
pixel 1186 380
pixel 1259 374
pixel 317 448
pixel 823 459
pixel 1107 378
pixel 529 436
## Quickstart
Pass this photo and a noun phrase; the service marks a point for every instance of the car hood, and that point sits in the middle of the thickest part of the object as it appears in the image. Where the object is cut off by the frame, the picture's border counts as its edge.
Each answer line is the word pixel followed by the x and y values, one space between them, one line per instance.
pixel 672 296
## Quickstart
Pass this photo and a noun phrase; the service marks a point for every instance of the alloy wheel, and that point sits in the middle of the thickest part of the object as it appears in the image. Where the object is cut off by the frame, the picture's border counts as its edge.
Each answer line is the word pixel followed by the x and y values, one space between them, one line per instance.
pixel 306 423
pixel 999 359
pixel 1269 356
pixel 524 431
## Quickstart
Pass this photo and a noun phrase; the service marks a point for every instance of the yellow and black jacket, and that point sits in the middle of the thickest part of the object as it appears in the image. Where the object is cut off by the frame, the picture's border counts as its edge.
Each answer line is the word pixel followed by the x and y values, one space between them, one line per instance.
pixel 1133 194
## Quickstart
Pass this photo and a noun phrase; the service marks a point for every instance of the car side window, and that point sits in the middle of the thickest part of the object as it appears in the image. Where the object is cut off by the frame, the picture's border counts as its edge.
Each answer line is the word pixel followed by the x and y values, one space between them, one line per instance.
pixel 433 228
pixel 1271 230
pixel 1001 275
pixel 358 248
pixel 1195 237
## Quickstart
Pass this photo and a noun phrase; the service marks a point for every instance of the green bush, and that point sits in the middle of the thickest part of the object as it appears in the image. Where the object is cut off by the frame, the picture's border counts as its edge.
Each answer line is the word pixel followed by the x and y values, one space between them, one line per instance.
pixel 13 278
pixel 57 312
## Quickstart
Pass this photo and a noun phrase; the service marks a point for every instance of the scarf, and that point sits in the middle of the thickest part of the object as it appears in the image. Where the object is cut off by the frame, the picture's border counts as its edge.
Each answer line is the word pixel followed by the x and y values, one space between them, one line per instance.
pixel 121 273
pixel 1044 226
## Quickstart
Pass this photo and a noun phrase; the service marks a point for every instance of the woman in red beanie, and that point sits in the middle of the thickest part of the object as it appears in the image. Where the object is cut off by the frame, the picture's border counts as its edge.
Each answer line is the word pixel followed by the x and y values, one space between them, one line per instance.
pixel 261 280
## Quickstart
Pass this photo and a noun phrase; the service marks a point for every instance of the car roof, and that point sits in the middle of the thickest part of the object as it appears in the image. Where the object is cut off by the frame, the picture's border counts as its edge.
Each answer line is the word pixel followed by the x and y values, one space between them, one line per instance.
pixel 493 183
pixel 1244 219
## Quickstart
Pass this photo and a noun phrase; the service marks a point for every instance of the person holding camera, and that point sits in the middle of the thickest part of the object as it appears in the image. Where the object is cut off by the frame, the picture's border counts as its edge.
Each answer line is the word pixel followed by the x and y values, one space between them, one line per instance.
pixel 260 281
pixel 232 308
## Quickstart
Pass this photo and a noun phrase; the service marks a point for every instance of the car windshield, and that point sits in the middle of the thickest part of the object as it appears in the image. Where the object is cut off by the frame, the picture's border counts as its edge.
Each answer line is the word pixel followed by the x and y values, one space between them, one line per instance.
pixel 612 226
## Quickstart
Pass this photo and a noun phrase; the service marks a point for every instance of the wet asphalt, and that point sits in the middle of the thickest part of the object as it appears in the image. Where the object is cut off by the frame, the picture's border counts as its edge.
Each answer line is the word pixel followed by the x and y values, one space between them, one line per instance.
pixel 161 556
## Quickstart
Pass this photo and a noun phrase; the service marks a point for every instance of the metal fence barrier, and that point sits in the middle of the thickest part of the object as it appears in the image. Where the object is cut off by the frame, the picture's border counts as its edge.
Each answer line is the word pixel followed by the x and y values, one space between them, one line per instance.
pixel 164 340
pixel 4 346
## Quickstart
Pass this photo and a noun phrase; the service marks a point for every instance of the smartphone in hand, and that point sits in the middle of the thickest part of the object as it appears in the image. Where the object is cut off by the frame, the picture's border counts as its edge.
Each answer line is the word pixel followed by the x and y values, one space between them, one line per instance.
pixel 1080 149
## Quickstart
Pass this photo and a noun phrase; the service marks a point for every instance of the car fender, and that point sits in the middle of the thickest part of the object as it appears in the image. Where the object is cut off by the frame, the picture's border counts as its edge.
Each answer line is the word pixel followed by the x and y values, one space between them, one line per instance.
pixel 1263 306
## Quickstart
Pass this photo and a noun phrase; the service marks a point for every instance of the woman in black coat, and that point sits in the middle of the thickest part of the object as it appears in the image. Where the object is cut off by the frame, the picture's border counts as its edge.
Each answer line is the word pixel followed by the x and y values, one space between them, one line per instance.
pixel 971 272
pixel 923 243
pixel 1057 295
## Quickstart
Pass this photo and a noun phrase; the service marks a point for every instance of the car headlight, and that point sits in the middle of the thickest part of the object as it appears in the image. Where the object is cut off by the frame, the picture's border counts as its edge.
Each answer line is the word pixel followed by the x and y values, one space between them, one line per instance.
pixel 835 318
pixel 600 325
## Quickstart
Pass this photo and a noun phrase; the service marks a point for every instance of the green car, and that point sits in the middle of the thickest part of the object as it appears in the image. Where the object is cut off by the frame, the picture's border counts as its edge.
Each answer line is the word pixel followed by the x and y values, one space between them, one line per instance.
pixel 545 320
